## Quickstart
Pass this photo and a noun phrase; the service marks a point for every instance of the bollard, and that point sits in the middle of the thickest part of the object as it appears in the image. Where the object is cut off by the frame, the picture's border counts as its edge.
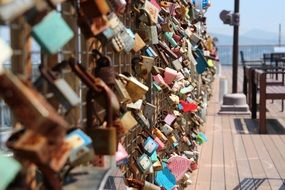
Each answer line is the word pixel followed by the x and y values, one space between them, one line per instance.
pixel 223 88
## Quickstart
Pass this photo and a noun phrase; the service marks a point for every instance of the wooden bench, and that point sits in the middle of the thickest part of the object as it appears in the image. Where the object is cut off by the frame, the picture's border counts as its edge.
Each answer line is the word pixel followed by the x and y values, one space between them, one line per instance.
pixel 266 92
pixel 248 78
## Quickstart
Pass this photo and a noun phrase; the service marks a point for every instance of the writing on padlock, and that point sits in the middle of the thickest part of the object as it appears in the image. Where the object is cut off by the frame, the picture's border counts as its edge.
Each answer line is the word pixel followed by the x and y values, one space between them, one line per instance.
pixel 81 147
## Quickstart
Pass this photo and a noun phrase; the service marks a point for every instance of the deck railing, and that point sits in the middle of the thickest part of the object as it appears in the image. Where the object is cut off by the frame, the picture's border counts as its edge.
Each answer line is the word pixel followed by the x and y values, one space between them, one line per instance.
pixel 251 52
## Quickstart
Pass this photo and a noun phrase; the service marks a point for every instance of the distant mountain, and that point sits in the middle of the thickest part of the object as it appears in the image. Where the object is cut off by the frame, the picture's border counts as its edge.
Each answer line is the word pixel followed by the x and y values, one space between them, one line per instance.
pixel 261 33
pixel 252 37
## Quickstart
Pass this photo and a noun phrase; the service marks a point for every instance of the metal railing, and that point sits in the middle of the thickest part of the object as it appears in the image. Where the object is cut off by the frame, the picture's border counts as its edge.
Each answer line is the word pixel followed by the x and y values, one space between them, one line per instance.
pixel 251 52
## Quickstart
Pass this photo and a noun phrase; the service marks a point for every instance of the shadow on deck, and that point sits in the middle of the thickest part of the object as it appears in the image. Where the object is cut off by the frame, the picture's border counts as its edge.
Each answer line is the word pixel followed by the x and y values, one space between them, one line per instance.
pixel 254 183
pixel 250 126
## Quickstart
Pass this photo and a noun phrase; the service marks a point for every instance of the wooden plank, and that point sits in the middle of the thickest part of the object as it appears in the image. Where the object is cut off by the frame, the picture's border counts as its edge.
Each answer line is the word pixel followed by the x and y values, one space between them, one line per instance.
pixel 267 163
pixel 231 173
pixel 218 177
pixel 275 155
pixel 277 140
pixel 204 172
pixel 258 173
pixel 203 176
pixel 244 171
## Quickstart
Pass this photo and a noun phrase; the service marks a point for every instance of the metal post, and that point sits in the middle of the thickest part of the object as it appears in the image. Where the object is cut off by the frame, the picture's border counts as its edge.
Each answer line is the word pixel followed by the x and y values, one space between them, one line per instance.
pixel 279 37
pixel 235 51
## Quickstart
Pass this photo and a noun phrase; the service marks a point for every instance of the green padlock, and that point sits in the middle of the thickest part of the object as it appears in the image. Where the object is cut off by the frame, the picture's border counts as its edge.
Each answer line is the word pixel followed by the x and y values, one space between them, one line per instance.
pixel 52 33
pixel 9 168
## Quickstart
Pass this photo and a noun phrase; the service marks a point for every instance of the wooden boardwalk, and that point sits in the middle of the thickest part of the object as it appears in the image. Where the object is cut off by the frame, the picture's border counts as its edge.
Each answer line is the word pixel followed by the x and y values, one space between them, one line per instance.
pixel 235 156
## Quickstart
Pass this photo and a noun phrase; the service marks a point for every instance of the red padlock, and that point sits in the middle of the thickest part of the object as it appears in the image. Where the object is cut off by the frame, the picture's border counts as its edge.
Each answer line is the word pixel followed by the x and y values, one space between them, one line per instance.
pixel 193 166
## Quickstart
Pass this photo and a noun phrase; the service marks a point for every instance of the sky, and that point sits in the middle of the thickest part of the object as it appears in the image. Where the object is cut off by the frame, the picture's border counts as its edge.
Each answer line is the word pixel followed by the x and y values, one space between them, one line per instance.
pixel 255 14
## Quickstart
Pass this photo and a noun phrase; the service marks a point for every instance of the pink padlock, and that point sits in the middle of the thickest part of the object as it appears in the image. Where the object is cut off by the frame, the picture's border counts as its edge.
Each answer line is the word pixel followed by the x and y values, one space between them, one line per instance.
pixel 177 86
pixel 169 75
pixel 121 153
pixel 160 144
pixel 179 76
pixel 169 119
pixel 158 79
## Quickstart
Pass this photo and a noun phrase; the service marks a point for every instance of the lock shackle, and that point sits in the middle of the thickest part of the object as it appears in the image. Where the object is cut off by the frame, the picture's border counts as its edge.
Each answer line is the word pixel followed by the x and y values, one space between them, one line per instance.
pixel 46 74
pixel 135 183
pixel 148 133
pixel 109 98
pixel 81 72
pixel 123 77
pixel 144 12
pixel 101 60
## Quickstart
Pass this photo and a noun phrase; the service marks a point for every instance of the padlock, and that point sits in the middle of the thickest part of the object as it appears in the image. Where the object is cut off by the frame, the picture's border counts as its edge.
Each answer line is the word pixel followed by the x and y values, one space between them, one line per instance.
pixel 183 12
pixel 169 75
pixel 141 119
pixel 94 8
pixel 167 50
pixel 118 43
pixel 31 109
pixel 143 185
pixel 139 43
pixel 202 64
pixel 165 4
pixel 128 38
pixel 30 146
pixel 121 155
pixel 156 87
pixel 169 119
pixel 81 144
pixel 10 10
pixel 104 137
pixel 166 129
pixel 149 51
pixel 136 89
pixel 38 149
pixel 128 120
pixel 149 32
pixel 195 39
pixel 118 5
pixel 152 11
pixel 169 38
pixel 63 92
pixel 104 27
pixel 149 110
pixel 144 163
pixel 187 89
pixel 136 105
pixel 52 40
pixel 10 168
pixel 177 65
pixel 189 53
pixel 148 62
pixel 158 79
pixel 167 27
pixel 139 68
pixel 149 145
pixel 161 145
pixel 104 68
pixel 90 81
pixel 123 94
pixel 157 166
